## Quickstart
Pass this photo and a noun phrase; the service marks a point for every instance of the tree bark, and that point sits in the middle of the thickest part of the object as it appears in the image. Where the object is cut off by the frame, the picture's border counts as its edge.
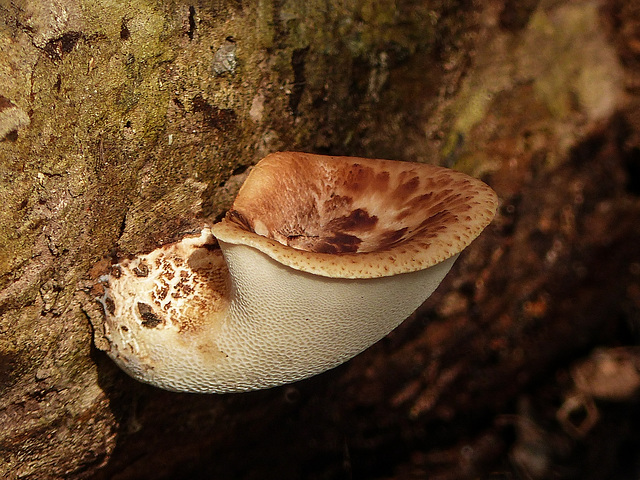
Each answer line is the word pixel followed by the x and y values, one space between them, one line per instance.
pixel 124 125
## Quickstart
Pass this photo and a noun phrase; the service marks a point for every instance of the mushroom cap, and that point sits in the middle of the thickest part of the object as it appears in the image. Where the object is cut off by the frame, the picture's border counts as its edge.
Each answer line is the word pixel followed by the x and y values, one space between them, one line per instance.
pixel 353 217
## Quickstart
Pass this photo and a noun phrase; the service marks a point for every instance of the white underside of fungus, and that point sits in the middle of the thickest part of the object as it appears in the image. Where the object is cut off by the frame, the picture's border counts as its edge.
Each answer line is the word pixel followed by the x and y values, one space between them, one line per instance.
pixel 319 258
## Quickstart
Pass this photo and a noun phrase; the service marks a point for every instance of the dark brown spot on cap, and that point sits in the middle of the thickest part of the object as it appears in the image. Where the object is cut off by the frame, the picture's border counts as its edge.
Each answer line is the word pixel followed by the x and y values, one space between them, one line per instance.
pixel 142 270
pixel 162 292
pixel 116 271
pixel 110 306
pixel 338 243
pixel 149 319
pixel 406 188
pixel 392 237
pixel 358 219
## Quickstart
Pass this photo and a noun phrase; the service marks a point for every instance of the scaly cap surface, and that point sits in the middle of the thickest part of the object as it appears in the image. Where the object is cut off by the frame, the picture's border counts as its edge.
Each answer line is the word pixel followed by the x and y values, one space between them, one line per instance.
pixel 356 217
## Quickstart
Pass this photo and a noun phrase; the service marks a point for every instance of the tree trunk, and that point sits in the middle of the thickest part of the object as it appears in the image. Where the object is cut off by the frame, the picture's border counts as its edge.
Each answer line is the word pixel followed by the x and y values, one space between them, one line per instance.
pixel 124 125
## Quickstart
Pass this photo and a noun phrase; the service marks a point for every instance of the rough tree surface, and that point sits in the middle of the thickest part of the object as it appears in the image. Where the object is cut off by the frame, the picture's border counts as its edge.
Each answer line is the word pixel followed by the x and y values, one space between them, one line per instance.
pixel 124 125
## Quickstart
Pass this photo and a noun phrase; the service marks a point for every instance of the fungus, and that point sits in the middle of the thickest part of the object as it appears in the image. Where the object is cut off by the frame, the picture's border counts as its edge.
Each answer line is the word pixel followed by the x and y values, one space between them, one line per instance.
pixel 318 258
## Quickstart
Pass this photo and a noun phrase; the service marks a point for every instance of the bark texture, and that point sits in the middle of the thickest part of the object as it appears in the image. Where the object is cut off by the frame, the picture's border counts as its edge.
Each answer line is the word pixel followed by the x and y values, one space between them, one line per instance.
pixel 124 125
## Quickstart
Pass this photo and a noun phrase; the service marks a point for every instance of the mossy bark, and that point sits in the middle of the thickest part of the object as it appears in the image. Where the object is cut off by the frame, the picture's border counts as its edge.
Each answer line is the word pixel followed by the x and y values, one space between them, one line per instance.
pixel 126 124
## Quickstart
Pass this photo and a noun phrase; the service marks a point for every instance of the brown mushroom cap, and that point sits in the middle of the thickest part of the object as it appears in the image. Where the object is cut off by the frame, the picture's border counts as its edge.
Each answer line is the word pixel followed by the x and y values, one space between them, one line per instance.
pixel 356 217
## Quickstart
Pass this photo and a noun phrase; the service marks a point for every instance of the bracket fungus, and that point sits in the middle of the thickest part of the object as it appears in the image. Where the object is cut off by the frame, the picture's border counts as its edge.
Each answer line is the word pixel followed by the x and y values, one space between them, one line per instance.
pixel 318 258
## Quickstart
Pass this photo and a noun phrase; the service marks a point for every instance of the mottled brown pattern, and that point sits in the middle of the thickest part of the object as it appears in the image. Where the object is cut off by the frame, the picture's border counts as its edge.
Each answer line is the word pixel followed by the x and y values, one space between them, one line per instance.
pixel 111 307
pixel 332 205
pixel 149 319
pixel 187 285
pixel 356 217
pixel 162 292
pixel 141 270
